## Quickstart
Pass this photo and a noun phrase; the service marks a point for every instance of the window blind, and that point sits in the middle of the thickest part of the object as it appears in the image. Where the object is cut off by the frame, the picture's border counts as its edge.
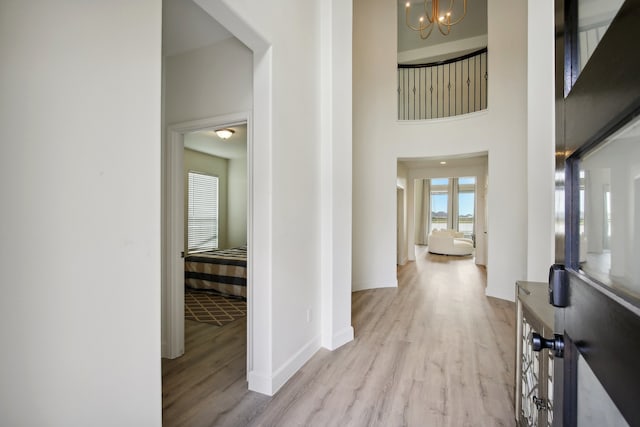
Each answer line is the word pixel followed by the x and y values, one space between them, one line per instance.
pixel 202 218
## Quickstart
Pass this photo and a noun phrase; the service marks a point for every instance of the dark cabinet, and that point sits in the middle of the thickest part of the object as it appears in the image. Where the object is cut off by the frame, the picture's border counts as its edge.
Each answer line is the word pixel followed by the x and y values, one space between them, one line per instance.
pixel 534 370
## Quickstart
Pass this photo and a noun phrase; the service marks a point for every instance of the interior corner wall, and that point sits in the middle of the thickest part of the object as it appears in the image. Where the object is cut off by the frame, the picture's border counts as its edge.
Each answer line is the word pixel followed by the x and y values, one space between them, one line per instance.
pixel 380 139
pixel 195 161
pixel 336 23
pixel 80 185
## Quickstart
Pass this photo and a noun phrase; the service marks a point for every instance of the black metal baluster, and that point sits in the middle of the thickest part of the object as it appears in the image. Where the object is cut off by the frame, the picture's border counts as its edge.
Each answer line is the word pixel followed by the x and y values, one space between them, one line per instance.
pixel 407 94
pixel 415 109
pixel 431 92
pixel 468 84
pixel 399 99
pixel 419 93
pixel 449 91
pixel 486 82
pixel 445 105
pixel 474 82
pixel 442 88
pixel 481 82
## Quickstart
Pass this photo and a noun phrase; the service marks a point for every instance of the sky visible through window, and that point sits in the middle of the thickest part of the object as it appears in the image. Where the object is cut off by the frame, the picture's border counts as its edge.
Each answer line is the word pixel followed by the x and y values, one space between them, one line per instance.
pixel 439 201
pixel 466 204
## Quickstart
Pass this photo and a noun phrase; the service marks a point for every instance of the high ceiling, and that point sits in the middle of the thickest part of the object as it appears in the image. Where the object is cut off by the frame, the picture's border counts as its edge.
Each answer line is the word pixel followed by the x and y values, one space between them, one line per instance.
pixel 185 27
pixel 473 25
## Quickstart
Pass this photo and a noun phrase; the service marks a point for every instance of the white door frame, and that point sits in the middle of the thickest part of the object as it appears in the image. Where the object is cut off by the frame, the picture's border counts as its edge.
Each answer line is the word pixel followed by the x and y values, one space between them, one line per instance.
pixel 174 232
pixel 401 233
pixel 260 326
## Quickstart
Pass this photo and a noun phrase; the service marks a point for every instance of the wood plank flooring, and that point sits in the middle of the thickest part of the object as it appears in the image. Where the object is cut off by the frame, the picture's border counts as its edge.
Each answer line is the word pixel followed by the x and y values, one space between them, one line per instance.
pixel 433 352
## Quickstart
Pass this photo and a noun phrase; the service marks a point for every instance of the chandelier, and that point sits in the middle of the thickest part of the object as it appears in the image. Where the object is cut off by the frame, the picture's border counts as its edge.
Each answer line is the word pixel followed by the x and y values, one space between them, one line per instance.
pixel 436 17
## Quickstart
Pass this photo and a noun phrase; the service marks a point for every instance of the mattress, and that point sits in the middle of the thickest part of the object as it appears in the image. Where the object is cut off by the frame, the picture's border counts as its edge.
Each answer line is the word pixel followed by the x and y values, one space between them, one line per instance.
pixel 220 270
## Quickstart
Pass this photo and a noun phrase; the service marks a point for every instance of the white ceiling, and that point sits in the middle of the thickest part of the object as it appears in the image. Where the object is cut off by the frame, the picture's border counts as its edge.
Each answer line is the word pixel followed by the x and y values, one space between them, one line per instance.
pixel 474 159
pixel 206 141
pixel 185 26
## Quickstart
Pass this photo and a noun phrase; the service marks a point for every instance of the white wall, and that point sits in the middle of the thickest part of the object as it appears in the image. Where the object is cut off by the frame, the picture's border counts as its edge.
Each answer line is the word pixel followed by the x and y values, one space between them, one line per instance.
pixel 237 202
pixel 80 221
pixel 302 172
pixel 379 140
pixel 208 82
pixel 541 139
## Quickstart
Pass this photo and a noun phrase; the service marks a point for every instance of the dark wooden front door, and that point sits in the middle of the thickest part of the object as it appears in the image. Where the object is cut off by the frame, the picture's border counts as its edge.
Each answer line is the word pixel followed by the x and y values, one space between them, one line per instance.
pixel 598 175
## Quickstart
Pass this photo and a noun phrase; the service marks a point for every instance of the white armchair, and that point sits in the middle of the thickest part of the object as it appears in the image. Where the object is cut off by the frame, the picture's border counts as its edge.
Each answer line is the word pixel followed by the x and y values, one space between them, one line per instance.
pixel 449 242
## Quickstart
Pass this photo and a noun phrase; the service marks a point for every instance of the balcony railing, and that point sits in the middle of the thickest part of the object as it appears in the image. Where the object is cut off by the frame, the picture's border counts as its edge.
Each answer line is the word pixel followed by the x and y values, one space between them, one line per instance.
pixel 443 89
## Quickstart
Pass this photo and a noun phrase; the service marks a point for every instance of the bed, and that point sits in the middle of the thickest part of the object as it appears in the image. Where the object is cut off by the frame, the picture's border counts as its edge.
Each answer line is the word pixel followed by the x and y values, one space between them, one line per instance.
pixel 220 270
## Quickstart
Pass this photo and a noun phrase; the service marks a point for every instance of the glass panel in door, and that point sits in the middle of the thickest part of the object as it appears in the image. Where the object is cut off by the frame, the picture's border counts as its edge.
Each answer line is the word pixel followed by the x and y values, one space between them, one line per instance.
pixel 594 18
pixel 610 211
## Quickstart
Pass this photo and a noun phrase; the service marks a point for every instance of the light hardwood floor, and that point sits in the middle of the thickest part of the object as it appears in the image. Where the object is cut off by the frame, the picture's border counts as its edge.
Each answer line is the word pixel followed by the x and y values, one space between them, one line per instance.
pixel 433 352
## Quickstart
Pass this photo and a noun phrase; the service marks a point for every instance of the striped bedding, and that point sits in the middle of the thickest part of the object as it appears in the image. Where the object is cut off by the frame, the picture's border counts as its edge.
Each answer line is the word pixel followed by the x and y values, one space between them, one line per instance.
pixel 221 270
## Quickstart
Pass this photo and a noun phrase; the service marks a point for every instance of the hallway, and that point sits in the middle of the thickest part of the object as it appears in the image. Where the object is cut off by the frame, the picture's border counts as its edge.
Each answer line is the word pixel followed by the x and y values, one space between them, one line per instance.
pixel 433 352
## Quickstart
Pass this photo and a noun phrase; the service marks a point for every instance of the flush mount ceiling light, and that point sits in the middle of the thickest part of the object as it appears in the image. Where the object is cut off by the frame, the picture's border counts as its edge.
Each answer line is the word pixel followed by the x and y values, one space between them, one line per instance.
pixel 224 133
pixel 443 163
pixel 442 18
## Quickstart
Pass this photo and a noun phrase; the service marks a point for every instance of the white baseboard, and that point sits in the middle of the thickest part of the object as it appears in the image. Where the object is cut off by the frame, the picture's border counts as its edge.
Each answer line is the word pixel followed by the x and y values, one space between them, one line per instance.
pixel 270 385
pixel 295 362
pixel 364 286
pixel 340 338
pixel 260 383
pixel 501 294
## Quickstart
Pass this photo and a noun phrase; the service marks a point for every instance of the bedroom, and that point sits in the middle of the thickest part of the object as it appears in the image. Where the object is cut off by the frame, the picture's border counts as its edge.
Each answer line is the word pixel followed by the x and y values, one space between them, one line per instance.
pixel 215 226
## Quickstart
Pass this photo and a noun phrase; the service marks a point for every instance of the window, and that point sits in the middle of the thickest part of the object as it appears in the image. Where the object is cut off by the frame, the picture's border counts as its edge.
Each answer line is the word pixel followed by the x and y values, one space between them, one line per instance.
pixel 202 217
pixel 452 202
pixel 466 205
pixel 439 204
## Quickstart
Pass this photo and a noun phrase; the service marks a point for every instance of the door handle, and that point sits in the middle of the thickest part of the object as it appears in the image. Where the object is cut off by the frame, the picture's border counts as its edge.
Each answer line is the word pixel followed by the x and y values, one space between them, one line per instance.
pixel 556 344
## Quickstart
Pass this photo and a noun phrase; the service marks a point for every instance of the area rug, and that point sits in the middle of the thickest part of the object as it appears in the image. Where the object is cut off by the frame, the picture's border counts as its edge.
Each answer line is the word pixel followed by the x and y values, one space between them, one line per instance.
pixel 212 308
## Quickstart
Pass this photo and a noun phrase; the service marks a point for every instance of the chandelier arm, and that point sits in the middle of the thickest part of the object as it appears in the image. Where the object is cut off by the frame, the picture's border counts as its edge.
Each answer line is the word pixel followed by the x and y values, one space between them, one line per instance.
pixel 422 26
pixel 464 13
pixel 434 11
pixel 451 2
pixel 425 36
pixel 444 33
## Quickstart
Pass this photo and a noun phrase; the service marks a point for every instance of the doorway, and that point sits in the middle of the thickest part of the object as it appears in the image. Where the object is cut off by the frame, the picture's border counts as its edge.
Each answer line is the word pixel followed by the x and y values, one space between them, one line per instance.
pixel 468 209
pixel 175 244
pixel 257 114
